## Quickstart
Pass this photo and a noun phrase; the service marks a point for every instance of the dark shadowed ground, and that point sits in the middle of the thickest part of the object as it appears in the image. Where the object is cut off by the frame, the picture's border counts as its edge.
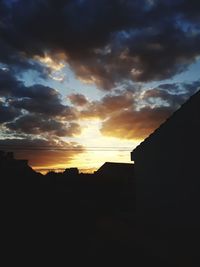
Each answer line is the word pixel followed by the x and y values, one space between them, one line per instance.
pixel 83 218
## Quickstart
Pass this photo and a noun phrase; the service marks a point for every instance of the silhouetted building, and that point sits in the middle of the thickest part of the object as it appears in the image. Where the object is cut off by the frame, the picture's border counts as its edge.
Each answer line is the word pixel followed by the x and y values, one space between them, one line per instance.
pixel 9 164
pixel 110 168
pixel 17 177
pixel 115 171
pixel 168 183
pixel 10 155
pixel 2 155
pixel 71 171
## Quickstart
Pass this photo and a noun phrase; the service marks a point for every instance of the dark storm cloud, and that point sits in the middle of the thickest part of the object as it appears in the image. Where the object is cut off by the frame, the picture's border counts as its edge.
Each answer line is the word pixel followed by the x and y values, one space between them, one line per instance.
pixel 50 107
pixel 190 9
pixel 10 53
pixel 10 86
pixel 37 98
pixel 161 54
pixel 42 152
pixel 18 61
pixel 36 125
pixel 105 41
pixel 43 112
pixel 74 26
pixel 7 113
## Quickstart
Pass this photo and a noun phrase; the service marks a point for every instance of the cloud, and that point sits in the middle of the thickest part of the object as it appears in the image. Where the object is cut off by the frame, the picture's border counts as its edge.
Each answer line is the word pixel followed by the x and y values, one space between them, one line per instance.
pixel 36 120
pixel 10 86
pixel 162 53
pixel 190 9
pixel 173 94
pixel 134 114
pixel 151 108
pixel 17 60
pixel 41 152
pixel 36 125
pixel 35 110
pixel 37 98
pixel 49 107
pixel 78 99
pixel 137 40
pixel 135 124
pixel 108 43
pixel 122 116
pixel 108 105
pixel 7 113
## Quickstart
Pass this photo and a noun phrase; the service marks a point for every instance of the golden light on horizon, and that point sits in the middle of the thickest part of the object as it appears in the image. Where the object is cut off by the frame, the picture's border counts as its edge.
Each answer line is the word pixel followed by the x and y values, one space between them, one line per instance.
pixel 99 150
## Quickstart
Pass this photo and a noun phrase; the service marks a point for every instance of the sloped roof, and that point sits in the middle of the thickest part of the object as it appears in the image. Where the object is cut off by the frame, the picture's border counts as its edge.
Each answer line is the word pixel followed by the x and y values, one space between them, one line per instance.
pixel 187 114
pixel 114 166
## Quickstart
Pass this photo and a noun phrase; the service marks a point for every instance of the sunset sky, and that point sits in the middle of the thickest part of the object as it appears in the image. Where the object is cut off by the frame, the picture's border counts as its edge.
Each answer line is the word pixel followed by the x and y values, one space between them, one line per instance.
pixel 85 81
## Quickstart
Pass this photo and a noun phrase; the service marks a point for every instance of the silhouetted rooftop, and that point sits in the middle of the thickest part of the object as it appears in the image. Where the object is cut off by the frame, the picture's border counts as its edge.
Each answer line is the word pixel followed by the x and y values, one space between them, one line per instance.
pixel 8 161
pixel 187 115
pixel 115 167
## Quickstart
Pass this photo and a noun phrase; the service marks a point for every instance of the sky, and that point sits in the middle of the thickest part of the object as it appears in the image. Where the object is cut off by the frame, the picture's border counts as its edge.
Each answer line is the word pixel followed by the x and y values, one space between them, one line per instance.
pixel 83 82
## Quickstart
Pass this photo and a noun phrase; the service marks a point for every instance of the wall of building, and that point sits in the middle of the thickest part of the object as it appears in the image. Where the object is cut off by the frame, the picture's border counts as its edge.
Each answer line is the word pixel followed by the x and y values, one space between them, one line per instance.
pixel 168 180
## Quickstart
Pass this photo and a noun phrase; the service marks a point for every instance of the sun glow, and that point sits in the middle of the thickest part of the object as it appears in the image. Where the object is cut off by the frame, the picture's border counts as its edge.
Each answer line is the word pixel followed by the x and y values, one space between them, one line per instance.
pixel 99 148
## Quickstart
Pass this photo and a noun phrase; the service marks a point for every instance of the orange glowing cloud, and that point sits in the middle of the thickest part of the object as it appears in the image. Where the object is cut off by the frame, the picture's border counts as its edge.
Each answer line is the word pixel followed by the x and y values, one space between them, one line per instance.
pixel 121 116
pixel 43 153
pixel 131 124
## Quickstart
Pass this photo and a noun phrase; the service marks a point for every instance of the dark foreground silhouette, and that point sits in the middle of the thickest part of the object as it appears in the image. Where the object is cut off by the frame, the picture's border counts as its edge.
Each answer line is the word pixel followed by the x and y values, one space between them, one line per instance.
pixel 146 214
pixel 69 216
pixel 167 178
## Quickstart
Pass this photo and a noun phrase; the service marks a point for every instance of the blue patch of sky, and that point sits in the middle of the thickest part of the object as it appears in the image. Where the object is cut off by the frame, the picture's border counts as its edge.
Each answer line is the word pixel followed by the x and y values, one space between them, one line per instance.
pixel 191 74
pixel 70 84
